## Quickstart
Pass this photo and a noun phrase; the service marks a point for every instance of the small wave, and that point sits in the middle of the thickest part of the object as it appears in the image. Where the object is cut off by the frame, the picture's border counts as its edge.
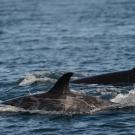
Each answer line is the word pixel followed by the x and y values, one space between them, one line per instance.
pixel 33 78
pixel 125 99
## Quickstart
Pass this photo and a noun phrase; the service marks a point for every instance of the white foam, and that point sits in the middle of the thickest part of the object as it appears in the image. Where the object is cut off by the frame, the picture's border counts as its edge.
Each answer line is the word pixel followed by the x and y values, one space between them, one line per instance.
pixel 125 99
pixel 108 91
pixel 32 78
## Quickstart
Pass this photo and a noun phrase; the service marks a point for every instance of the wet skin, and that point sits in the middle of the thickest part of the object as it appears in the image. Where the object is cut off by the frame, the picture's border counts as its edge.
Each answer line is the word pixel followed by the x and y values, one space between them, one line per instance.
pixel 115 78
pixel 60 99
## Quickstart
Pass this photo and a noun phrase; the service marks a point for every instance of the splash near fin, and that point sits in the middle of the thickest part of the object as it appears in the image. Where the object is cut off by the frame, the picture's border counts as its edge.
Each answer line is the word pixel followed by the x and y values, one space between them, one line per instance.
pixel 62 85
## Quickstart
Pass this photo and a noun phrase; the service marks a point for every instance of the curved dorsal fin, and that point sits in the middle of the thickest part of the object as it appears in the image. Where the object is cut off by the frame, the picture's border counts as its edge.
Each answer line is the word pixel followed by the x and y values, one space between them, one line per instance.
pixel 62 85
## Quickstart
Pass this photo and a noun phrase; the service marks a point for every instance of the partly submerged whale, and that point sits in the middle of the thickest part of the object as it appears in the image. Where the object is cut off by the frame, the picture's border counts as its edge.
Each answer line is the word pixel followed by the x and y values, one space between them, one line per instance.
pixel 61 99
pixel 116 78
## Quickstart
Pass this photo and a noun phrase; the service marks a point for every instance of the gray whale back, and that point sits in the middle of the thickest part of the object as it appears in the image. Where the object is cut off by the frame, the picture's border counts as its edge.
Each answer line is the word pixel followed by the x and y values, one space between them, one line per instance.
pixel 60 99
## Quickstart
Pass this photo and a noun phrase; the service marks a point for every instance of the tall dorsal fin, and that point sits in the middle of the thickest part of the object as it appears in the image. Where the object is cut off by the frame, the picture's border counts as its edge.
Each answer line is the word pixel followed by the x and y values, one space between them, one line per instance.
pixel 62 85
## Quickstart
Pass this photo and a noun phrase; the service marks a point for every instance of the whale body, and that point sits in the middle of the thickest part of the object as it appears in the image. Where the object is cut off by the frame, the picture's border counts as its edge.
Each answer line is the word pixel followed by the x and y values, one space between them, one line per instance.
pixel 116 78
pixel 60 99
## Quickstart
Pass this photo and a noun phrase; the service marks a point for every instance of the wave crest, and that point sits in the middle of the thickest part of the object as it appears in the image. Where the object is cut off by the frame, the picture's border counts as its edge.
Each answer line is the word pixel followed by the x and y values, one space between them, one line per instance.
pixel 33 78
pixel 125 99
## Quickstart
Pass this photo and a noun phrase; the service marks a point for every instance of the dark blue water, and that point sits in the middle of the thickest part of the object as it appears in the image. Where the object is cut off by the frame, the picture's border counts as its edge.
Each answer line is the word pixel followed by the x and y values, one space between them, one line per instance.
pixel 83 36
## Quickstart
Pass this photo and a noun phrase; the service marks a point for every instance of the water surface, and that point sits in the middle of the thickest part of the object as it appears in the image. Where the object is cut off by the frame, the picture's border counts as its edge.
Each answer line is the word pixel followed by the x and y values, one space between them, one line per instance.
pixel 56 36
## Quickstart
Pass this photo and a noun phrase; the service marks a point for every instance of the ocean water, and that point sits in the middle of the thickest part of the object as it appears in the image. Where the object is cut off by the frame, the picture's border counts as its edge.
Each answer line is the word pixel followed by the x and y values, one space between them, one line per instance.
pixel 42 39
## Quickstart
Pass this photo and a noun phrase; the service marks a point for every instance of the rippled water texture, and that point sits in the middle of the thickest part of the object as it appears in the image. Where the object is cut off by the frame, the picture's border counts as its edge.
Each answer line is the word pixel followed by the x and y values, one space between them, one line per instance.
pixel 52 37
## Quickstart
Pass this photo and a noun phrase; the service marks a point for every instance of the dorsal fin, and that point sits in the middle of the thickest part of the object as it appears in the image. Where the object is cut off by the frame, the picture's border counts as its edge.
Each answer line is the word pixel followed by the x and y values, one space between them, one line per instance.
pixel 62 85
